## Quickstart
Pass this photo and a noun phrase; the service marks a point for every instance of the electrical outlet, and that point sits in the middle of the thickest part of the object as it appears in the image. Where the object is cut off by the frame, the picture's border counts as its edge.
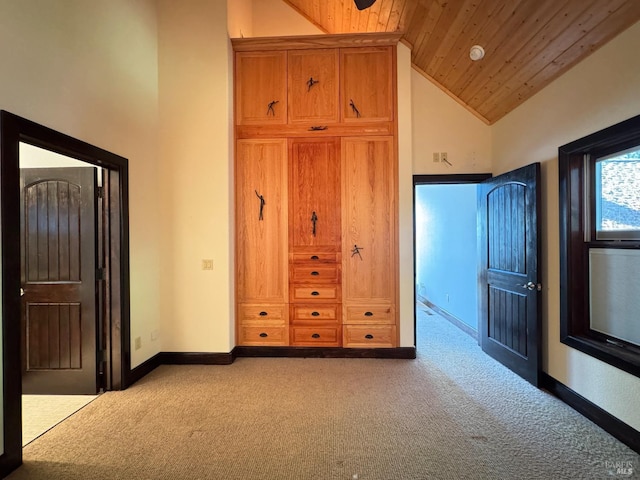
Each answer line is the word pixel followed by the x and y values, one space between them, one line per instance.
pixel 207 264
pixel 138 343
pixel 443 157
pixel 436 157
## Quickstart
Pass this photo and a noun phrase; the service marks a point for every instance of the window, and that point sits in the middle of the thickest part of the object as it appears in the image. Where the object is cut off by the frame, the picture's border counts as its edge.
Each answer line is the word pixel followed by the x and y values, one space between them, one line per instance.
pixel 600 245
pixel 617 196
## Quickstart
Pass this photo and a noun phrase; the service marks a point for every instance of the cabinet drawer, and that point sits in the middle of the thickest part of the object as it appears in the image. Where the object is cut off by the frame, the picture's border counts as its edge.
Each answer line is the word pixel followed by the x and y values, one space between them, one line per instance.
pixel 250 335
pixel 262 314
pixel 313 314
pixel 312 257
pixel 364 336
pixel 370 314
pixel 315 273
pixel 316 336
pixel 314 292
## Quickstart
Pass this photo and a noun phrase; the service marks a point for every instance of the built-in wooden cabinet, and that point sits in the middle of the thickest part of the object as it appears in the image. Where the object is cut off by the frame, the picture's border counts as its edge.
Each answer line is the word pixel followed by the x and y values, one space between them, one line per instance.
pixel 261 88
pixel 366 90
pixel 313 86
pixel 316 191
pixel 369 272
pixel 262 280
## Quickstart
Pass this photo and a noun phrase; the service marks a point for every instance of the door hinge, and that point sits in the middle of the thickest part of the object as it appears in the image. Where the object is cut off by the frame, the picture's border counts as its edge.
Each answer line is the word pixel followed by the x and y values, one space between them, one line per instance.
pixel 101 274
pixel 100 192
pixel 102 356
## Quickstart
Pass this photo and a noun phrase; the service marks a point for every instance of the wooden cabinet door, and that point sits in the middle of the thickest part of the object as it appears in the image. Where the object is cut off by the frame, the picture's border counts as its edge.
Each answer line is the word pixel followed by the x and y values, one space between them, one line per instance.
pixel 261 221
pixel 367 84
pixel 313 86
pixel 369 171
pixel 314 193
pixel 261 88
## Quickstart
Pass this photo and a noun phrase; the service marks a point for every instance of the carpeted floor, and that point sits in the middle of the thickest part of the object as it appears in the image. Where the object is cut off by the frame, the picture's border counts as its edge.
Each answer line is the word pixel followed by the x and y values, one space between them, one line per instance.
pixel 453 413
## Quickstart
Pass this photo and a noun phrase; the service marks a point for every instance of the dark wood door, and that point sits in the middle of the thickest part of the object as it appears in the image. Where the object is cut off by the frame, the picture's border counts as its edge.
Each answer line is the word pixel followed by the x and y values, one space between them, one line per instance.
pixel 58 278
pixel 510 314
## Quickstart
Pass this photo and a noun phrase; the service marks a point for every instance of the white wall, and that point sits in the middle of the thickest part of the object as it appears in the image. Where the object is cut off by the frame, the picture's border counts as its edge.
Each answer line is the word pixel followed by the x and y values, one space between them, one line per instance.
pixel 89 69
pixel 440 124
pixel 195 165
pixel 599 92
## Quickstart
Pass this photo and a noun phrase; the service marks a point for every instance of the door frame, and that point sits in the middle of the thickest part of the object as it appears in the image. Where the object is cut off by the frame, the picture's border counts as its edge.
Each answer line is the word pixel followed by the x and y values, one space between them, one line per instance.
pixel 442 179
pixel 13 130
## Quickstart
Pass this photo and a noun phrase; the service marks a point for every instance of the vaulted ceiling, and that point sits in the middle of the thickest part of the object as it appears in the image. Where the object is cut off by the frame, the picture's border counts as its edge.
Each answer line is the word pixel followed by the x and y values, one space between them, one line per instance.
pixel 527 43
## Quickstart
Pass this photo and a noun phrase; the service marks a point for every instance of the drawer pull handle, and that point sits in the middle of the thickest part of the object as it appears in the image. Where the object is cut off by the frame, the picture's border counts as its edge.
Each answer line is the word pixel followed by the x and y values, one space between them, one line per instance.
pixel 368 314
pixel 368 336
pixel 315 335
pixel 264 335
pixel 315 257
pixel 263 314
pixel 315 294
pixel 315 314
pixel 315 273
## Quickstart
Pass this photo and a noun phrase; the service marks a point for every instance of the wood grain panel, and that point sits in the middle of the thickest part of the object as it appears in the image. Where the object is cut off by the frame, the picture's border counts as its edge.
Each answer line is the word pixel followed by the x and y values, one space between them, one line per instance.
pixel 366 84
pixel 369 336
pixel 262 335
pixel 507 320
pixel 304 314
pixel 302 274
pixel 506 228
pixel 369 198
pixel 261 88
pixel 52 231
pixel 527 43
pixel 53 336
pixel 261 242
pixel 315 103
pixel 316 336
pixel 314 192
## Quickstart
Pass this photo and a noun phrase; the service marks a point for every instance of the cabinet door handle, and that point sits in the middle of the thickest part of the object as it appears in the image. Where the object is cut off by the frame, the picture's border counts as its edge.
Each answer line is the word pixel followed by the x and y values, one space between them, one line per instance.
pixel 317 128
pixel 262 204
pixel 314 220
pixel 264 335
pixel 311 82
pixel 270 109
pixel 368 336
pixel 368 314
pixel 315 294
pixel 314 273
pixel 354 108
pixel 263 314
pixel 315 314
pixel 315 335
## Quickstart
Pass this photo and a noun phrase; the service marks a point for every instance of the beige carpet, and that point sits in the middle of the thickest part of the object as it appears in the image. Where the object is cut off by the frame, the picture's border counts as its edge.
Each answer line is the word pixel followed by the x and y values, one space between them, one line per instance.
pixel 42 412
pixel 453 413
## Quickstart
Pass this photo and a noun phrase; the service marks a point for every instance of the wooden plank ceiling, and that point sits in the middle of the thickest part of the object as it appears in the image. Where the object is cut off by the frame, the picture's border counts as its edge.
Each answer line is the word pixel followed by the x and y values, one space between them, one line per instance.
pixel 528 43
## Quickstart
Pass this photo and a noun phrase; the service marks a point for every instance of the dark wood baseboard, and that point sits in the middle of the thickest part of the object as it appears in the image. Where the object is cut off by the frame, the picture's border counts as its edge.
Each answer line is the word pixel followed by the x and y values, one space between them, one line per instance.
pixel 451 318
pixel 617 428
pixel 204 358
pixel 326 352
pixel 196 358
pixel 143 369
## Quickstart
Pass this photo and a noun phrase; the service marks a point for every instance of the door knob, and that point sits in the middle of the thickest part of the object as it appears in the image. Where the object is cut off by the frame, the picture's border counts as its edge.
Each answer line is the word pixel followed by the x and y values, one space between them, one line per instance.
pixel 21 292
pixel 531 286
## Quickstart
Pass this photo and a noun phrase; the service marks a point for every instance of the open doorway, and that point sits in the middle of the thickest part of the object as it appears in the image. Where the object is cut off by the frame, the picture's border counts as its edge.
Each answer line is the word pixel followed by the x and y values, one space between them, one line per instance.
pixel 111 354
pixel 62 248
pixel 446 252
